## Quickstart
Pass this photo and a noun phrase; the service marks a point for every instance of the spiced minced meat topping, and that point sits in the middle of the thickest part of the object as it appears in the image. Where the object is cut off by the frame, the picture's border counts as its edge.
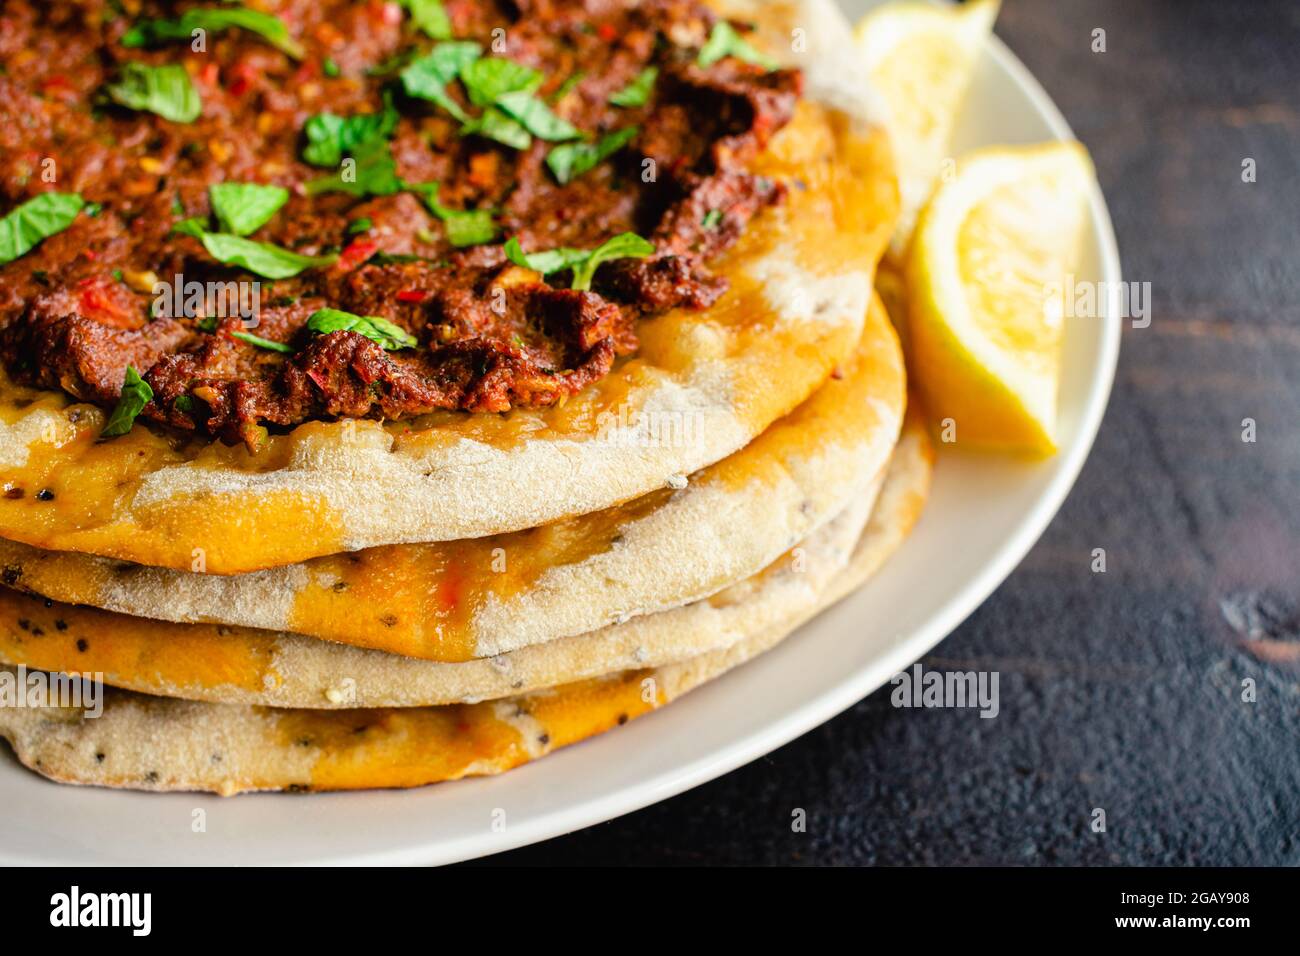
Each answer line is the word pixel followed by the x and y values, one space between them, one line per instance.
pixel 446 169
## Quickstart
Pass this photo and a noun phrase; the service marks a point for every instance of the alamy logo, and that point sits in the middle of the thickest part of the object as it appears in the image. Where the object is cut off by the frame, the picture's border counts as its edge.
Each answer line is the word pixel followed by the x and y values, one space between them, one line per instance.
pixel 663 428
pixel 1099 300
pixel 103 909
pixel 35 689
pixel 198 300
pixel 951 689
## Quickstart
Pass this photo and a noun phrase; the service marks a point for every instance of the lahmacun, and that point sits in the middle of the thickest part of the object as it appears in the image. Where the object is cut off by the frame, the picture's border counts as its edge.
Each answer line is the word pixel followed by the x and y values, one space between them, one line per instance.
pixel 387 399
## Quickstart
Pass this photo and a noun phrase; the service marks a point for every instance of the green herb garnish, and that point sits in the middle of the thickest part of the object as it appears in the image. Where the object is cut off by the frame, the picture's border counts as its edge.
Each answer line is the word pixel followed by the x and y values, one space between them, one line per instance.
pixel 491 83
pixel 430 16
pixel 712 219
pixel 37 219
pixel 570 160
pixel 243 208
pixel 488 79
pixel 583 263
pixel 465 227
pixel 262 343
pixel 388 334
pixel 546 263
pixel 136 394
pixel 166 90
pixel 363 138
pixel 506 91
pixel 468 227
pixel 330 137
pixel 637 93
pixel 724 41
pixel 552 260
pixel 330 68
pixel 357 226
pixel 427 77
pixel 536 117
pixel 374 173
pixel 263 258
pixel 268 27
pixel 496 125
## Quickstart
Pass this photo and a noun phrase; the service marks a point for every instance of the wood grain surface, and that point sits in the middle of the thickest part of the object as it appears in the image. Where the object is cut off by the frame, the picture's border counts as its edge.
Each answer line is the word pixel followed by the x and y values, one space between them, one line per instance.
pixel 1120 691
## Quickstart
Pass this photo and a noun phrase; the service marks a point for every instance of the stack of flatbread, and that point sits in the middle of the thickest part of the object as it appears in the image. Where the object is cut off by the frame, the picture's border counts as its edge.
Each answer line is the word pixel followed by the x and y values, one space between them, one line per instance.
pixel 367 604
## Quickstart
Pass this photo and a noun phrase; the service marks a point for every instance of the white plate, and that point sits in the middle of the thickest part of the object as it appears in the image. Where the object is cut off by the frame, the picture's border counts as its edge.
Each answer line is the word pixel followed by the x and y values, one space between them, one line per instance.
pixel 984 515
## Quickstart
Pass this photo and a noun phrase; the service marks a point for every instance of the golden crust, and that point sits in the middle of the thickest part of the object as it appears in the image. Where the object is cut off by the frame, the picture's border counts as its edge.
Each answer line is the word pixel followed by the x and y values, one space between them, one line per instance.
pixel 242 665
pixel 153 743
pixel 247 666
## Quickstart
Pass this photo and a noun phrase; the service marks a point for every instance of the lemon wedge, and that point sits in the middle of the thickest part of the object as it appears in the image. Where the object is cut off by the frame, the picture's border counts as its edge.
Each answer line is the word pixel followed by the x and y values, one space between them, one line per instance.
pixel 920 58
pixel 993 255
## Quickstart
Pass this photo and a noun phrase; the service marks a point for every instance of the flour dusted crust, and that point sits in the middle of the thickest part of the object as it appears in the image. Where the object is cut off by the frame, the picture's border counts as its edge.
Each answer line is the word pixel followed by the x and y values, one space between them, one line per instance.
pixel 800 285
pixel 241 665
pixel 153 743
pixel 485 597
pixel 245 666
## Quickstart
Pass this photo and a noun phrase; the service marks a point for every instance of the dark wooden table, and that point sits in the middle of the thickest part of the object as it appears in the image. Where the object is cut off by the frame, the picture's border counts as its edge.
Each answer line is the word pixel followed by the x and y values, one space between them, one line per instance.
pixel 1120 690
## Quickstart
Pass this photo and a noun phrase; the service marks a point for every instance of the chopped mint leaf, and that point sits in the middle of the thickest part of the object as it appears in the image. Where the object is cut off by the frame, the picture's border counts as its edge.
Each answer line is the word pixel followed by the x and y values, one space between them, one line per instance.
pixel 496 125
pixel 430 16
pixel 374 173
pixel 136 394
pixel 166 90
pixel 330 137
pixel 262 343
pixel 584 263
pixel 40 217
pixel 724 41
pixel 486 80
pixel 568 161
pixel 536 117
pixel 465 227
pixel 262 258
pixel 637 93
pixel 427 77
pixel 268 27
pixel 388 334
pixel 553 260
pixel 626 246
pixel 243 208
